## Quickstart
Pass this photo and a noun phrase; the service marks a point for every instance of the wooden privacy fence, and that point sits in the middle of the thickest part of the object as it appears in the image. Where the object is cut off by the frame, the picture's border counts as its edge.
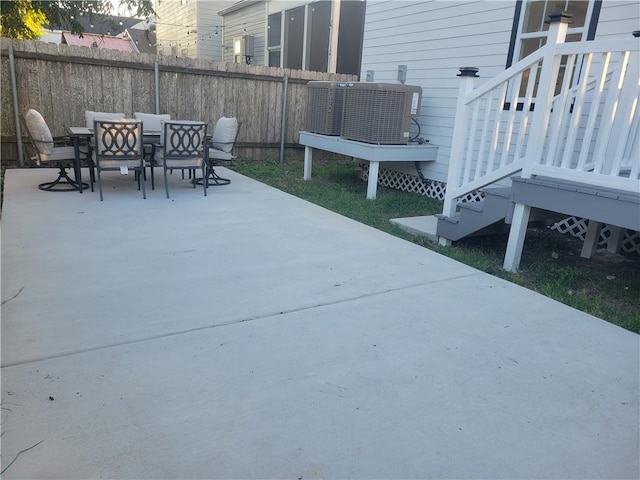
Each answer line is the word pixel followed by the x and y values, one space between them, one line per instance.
pixel 63 81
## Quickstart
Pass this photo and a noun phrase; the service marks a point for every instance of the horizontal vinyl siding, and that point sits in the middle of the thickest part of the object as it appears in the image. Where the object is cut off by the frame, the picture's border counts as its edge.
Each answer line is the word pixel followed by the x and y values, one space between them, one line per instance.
pixel 618 18
pixel 210 44
pixel 434 39
pixel 173 22
pixel 252 19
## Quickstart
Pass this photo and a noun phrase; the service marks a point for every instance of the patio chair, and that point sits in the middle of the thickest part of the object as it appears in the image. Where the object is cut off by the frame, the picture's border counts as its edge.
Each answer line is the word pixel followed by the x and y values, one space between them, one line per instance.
pixel 50 151
pixel 89 117
pixel 221 147
pixel 152 123
pixel 118 146
pixel 183 148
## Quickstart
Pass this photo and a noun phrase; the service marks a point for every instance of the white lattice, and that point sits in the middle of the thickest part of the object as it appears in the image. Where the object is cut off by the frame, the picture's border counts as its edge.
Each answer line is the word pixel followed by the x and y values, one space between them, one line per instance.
pixel 411 183
pixel 576 227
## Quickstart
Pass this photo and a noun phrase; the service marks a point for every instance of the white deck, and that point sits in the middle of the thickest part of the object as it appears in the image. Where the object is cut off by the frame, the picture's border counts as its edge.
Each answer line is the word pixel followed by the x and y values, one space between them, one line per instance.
pixel 373 153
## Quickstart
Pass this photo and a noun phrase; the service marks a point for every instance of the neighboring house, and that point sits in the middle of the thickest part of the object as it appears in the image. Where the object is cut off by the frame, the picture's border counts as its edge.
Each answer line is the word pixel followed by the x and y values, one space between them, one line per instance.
pixel 143 35
pixel 111 32
pixel 296 34
pixel 434 39
pixel 190 28
pixel 98 41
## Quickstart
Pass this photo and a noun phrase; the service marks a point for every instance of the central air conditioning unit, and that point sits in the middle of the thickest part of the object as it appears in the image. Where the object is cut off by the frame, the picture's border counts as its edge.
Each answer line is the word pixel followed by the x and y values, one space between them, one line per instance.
pixel 325 103
pixel 379 112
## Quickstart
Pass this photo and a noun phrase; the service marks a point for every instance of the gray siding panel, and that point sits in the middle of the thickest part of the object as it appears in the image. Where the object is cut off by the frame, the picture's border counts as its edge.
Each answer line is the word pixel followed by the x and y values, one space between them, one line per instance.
pixel 250 20
pixel 209 22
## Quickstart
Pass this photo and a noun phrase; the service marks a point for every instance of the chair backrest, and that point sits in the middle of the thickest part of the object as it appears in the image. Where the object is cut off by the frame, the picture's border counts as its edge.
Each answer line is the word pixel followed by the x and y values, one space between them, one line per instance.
pixel 151 121
pixel 225 134
pixel 90 116
pixel 184 140
pixel 39 132
pixel 118 143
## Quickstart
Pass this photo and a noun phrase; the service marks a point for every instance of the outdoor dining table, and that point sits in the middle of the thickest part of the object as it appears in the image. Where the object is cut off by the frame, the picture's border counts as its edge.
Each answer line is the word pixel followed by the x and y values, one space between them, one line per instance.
pixel 82 136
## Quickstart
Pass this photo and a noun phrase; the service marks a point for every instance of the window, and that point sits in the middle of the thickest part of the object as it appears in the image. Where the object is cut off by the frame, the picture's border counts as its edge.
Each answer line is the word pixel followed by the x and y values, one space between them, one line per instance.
pixel 300 37
pixel 530 27
pixel 294 35
pixel 318 36
pixel 274 29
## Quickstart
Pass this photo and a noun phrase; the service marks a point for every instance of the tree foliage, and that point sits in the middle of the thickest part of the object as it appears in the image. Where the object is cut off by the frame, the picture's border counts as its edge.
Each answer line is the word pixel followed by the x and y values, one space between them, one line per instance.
pixel 25 19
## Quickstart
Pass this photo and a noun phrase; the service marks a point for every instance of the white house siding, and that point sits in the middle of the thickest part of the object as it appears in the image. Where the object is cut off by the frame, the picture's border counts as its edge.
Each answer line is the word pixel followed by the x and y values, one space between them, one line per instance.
pixel 434 39
pixel 174 20
pixel 210 23
pixel 248 20
pixel 618 18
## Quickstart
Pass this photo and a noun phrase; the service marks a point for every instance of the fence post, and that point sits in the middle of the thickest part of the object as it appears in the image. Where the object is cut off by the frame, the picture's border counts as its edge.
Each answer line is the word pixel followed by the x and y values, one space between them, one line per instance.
pixel 16 108
pixel 283 126
pixel 467 76
pixel 156 77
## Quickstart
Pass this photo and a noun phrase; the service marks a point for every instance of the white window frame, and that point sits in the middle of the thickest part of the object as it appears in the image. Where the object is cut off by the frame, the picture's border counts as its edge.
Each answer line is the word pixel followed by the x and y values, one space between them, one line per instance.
pixel 520 36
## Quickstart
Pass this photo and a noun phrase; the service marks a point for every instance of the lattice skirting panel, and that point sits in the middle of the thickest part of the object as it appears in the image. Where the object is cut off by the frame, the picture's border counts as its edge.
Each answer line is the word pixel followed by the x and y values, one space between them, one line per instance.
pixel 576 227
pixel 412 183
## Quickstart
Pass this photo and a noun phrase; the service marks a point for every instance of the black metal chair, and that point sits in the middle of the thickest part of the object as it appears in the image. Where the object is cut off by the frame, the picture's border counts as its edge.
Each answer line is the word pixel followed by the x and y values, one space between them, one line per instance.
pixel 49 151
pixel 184 148
pixel 118 145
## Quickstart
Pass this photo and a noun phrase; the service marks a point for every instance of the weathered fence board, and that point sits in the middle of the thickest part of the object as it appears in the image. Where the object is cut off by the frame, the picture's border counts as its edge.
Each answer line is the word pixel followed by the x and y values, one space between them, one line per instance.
pixel 63 81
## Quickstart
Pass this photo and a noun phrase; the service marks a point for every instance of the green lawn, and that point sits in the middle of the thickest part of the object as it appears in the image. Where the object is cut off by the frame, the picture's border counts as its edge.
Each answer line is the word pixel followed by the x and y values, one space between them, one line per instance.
pixel 607 286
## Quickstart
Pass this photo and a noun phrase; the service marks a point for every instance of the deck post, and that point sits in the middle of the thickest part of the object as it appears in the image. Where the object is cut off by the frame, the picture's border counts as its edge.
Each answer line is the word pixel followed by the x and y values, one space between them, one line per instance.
pixel 467 77
pixel 517 233
pixel 591 239
pixel 558 24
pixel 615 240
pixel 308 162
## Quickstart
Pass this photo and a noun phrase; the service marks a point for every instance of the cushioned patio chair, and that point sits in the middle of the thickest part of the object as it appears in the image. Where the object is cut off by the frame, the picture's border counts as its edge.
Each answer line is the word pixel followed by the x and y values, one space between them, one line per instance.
pixel 221 147
pixel 89 117
pixel 152 123
pixel 118 146
pixel 184 148
pixel 50 151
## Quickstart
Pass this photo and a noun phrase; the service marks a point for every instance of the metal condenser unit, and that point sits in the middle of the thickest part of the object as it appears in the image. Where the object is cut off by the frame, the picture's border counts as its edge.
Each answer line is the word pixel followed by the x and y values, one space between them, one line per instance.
pixel 379 112
pixel 325 101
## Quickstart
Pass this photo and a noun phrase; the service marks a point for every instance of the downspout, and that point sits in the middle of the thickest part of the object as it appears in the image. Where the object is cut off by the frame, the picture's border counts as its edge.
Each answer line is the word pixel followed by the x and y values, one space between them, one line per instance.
pixel 16 110
pixel 283 126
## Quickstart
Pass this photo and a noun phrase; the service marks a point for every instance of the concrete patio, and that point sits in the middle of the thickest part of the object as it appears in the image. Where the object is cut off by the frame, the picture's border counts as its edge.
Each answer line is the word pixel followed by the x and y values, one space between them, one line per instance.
pixel 251 334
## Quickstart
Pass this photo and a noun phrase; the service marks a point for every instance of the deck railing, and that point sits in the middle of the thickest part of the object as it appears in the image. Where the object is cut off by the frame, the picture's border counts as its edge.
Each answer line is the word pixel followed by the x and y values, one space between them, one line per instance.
pixel 568 111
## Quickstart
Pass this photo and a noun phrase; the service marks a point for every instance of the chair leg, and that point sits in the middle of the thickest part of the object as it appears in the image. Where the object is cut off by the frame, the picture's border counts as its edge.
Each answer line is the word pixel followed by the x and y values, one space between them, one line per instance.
pixel 100 183
pixel 63 179
pixel 92 173
pixel 166 183
pixel 141 176
pixel 205 181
